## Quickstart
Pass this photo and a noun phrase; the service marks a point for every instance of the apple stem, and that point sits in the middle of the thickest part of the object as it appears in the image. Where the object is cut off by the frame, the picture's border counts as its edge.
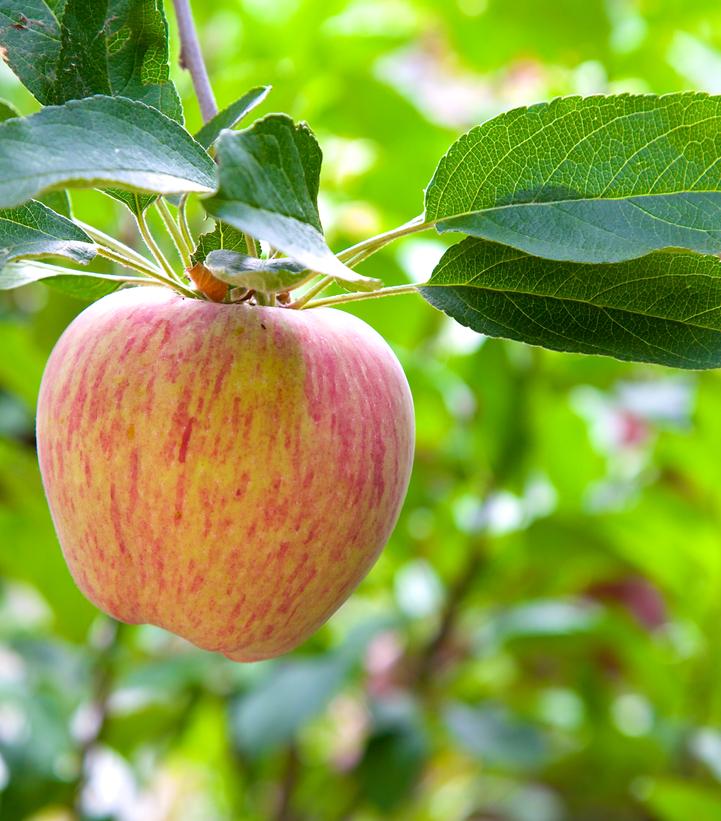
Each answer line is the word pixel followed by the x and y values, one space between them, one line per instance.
pixel 264 299
pixel 362 250
pixel 191 58
pixel 171 226
pixel 339 299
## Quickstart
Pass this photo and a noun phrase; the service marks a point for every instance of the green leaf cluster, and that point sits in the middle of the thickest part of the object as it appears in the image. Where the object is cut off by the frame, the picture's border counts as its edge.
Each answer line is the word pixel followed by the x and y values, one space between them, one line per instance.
pixel 579 207
pixel 112 120
pixel 79 48
pixel 594 220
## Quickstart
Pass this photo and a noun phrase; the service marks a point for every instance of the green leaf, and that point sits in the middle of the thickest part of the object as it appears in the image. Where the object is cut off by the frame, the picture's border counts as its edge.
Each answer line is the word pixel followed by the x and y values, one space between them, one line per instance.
pixel 7 111
pixel 206 137
pixel 269 175
pixel 541 618
pixel 34 230
pixel 289 694
pixel 231 115
pixel 663 308
pixel 222 236
pixel 99 141
pixel 398 745
pixel 136 203
pixel 59 201
pixel 271 276
pixel 80 284
pixel 78 48
pixel 497 737
pixel 171 675
pixel 402 751
pixel 601 179
pixel 283 701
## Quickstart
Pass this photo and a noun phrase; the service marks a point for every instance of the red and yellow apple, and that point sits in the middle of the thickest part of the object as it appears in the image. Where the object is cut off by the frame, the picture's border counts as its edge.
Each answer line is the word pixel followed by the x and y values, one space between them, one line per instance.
pixel 228 472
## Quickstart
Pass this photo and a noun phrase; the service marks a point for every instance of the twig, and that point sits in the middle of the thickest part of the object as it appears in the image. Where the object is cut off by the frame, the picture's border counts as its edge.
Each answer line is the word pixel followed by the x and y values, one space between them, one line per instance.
pixel 126 262
pixel 47 271
pixel 427 662
pixel 102 683
pixel 428 658
pixel 191 58
pixel 284 810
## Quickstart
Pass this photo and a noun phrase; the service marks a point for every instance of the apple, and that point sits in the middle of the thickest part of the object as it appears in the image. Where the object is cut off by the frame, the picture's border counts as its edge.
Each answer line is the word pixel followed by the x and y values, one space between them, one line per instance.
pixel 227 472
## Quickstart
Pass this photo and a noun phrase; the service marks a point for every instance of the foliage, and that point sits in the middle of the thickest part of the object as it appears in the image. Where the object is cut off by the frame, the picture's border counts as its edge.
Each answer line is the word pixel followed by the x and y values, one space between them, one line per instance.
pixel 539 639
pixel 629 309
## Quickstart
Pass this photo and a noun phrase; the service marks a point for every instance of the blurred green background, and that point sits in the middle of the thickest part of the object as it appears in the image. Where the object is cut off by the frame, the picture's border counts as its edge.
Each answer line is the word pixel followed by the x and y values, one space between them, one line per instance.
pixel 540 640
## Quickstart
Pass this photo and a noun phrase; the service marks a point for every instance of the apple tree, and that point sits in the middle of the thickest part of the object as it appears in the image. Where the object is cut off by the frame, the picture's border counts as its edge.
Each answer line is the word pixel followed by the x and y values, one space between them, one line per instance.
pixel 583 225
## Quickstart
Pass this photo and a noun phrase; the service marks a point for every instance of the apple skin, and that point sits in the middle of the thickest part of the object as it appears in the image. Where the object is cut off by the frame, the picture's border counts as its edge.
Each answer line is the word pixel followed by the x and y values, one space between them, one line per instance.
pixel 227 472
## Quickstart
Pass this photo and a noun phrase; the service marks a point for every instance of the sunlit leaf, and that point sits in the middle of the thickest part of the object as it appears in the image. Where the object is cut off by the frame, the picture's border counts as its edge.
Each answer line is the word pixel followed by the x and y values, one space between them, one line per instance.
pixel 59 201
pixel 77 48
pixel 268 275
pixel 600 179
pixel 81 284
pixel 676 800
pixel 232 115
pixel 33 230
pixel 664 308
pixel 99 141
pixel 497 737
pixel 269 176
pixel 221 237
pixel 7 110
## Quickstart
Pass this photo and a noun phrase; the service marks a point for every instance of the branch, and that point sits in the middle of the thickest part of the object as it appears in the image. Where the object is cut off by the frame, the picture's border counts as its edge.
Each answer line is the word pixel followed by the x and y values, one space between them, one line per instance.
pixel 431 655
pixel 106 648
pixel 191 58
pixel 284 810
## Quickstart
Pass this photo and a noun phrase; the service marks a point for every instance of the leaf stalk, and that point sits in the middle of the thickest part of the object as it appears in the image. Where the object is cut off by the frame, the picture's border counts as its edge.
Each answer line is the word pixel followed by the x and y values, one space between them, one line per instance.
pixel 355 254
pixel 184 224
pixel 152 273
pixel 109 242
pixel 172 227
pixel 316 289
pixel 339 299
pixel 153 246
